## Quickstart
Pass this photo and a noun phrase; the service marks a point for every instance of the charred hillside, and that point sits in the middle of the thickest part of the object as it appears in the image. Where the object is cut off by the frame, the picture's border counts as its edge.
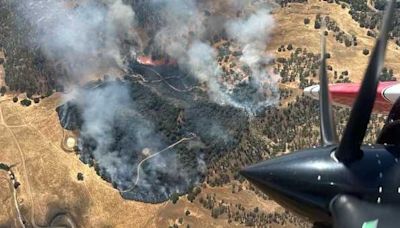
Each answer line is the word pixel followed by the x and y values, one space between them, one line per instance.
pixel 149 120
pixel 194 72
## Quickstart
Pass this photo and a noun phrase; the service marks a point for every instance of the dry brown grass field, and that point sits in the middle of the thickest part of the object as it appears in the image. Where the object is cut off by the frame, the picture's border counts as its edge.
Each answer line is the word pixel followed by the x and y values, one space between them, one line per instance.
pixel 31 138
pixel 290 29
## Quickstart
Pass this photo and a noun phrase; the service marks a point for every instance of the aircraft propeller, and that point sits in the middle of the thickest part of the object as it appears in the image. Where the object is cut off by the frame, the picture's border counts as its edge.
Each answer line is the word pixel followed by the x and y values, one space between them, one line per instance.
pixel 342 183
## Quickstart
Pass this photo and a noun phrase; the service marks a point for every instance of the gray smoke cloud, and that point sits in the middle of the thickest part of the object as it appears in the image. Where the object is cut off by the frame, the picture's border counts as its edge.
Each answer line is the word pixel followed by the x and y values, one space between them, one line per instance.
pixel 90 38
pixel 107 111
pixel 185 37
pixel 253 34
pixel 95 38
pixel 86 38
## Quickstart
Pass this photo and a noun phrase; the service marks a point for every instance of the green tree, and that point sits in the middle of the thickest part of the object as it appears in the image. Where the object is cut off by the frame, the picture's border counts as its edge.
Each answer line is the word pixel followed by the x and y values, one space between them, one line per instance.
pixel 317 24
pixel 3 90
pixel 191 197
pixel 26 102
pixel 174 197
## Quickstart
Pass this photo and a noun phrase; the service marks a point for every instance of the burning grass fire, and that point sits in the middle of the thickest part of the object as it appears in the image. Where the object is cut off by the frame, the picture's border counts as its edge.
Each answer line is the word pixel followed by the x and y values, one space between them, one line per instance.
pixel 190 74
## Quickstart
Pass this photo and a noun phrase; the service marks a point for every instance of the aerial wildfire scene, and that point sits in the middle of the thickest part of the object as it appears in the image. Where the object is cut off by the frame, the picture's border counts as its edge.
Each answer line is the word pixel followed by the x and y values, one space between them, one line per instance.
pixel 145 113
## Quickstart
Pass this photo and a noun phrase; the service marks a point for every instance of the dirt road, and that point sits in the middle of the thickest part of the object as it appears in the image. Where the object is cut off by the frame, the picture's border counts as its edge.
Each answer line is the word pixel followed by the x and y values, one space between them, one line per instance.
pixel 139 166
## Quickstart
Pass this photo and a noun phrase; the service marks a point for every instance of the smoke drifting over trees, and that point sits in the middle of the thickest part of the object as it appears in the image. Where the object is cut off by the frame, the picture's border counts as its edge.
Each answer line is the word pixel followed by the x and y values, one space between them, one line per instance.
pixel 84 38
pixel 102 37
pixel 93 37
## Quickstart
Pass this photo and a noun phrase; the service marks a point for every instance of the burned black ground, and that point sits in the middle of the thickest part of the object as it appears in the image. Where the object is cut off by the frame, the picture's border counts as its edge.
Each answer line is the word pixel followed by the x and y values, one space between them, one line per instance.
pixel 171 116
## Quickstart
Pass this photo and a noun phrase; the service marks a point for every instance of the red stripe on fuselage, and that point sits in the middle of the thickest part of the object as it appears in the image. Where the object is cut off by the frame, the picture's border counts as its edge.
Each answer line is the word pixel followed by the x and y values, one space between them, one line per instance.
pixel 346 94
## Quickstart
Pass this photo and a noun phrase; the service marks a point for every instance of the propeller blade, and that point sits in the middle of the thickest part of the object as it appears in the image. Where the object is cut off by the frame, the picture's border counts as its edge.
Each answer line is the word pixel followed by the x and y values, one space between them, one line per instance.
pixel 327 122
pixel 390 132
pixel 349 148
pixel 348 212
pixel 394 112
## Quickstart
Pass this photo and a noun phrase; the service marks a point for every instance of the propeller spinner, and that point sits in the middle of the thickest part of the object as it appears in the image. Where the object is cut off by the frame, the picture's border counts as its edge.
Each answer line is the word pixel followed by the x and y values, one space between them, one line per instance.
pixel 316 182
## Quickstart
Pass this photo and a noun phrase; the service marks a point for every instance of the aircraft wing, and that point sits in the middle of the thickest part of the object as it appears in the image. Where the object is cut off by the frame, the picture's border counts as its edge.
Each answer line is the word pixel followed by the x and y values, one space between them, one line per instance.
pixel 345 94
pixel 351 212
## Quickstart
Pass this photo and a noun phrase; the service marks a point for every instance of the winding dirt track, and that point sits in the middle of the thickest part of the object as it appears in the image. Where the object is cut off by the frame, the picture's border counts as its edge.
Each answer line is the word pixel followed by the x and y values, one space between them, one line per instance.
pixel 139 166
pixel 22 158
pixel 371 6
pixel 64 218
pixel 14 191
pixel 162 79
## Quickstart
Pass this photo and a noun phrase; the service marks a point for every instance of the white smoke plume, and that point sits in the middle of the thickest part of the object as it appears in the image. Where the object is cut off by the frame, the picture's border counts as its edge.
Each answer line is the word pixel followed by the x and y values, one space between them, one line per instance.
pixel 186 34
pixel 86 38
pixel 201 61
pixel 253 34
pixel 94 37
pixel 107 108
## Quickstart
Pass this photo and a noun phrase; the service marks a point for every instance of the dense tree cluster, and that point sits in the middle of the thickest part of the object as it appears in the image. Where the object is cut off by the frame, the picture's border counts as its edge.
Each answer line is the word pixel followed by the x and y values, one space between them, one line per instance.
pixel 254 217
pixel 340 36
pixel 302 67
pixel 371 19
pixel 387 75
pixel 365 15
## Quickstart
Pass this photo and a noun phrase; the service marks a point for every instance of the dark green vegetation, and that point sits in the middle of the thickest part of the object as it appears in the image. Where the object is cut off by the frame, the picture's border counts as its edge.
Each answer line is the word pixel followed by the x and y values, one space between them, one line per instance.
pixel 26 102
pixel 370 18
pixel 331 25
pixel 79 176
pixel 252 217
pixel 387 75
pixel 4 167
pixel 302 66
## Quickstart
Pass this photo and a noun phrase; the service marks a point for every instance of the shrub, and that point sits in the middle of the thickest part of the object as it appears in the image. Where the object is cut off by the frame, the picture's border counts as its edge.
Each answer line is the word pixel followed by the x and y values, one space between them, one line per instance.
pixel 317 25
pixel 26 102
pixel 80 176
pixel 174 197
pixel 3 90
